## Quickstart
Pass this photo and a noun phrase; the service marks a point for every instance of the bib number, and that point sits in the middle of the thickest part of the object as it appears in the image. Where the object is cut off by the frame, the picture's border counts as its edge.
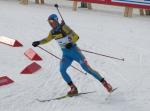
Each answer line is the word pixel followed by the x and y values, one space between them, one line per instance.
pixel 63 41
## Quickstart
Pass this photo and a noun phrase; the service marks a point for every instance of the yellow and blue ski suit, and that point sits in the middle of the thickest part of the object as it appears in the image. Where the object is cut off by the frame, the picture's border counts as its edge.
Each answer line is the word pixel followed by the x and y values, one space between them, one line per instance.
pixel 64 36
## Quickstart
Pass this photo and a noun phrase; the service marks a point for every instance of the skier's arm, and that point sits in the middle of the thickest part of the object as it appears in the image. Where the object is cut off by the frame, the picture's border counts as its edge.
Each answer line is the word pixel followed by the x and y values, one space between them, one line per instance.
pixel 47 39
pixel 43 41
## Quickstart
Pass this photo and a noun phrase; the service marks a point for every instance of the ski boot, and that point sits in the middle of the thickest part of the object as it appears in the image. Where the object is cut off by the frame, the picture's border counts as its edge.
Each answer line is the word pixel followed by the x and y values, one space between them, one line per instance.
pixel 107 85
pixel 73 90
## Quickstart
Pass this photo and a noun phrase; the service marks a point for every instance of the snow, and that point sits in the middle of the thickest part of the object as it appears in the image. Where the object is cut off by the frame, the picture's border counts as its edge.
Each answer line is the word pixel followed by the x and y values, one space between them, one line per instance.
pixel 103 30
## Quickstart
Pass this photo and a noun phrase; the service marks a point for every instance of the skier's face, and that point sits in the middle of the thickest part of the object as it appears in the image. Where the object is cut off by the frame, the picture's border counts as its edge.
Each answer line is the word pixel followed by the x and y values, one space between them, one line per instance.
pixel 53 23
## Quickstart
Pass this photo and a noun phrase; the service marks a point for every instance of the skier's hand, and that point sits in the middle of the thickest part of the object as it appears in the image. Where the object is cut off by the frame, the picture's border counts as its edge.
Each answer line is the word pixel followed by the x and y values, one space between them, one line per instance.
pixel 69 45
pixel 35 44
pixel 62 22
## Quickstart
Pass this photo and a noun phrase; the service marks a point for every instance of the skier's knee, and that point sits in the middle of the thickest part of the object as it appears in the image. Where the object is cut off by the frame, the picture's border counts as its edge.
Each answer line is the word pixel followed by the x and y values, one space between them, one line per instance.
pixel 63 70
pixel 86 67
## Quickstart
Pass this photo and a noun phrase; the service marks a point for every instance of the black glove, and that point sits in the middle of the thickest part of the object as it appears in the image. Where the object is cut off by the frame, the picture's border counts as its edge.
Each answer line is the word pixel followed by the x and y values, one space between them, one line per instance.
pixel 69 45
pixel 62 22
pixel 36 43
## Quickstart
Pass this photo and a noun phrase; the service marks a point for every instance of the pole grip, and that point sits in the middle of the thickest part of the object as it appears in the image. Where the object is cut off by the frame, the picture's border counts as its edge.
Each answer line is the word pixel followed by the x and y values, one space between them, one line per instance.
pixel 56 5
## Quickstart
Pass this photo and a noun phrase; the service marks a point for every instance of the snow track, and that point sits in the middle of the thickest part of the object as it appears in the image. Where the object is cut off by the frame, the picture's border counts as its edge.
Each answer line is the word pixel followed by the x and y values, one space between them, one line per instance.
pixel 103 30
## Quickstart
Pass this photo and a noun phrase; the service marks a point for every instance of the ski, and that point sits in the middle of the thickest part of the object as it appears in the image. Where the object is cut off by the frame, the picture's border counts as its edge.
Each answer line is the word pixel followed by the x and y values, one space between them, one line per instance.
pixel 64 96
pixel 114 89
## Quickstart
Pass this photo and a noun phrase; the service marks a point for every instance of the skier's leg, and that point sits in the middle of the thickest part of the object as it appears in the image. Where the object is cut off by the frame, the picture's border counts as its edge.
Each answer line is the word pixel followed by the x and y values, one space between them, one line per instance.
pixel 84 64
pixel 95 74
pixel 64 64
pixel 79 57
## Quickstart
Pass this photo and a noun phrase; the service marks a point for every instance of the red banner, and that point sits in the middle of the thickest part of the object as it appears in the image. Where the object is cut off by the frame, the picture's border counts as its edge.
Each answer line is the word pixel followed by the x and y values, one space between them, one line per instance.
pixel 94 1
pixel 145 4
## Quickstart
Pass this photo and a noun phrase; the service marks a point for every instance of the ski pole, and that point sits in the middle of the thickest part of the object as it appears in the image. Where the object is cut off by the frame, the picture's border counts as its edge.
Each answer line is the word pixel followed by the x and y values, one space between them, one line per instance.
pixel 56 5
pixel 122 59
pixel 59 58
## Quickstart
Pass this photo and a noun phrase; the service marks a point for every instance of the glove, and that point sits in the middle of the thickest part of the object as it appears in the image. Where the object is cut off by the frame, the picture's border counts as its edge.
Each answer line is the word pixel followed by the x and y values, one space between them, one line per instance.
pixel 62 22
pixel 35 44
pixel 68 46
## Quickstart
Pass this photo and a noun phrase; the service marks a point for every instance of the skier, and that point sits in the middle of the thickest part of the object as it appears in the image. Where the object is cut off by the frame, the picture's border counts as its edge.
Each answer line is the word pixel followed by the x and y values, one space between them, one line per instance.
pixel 67 39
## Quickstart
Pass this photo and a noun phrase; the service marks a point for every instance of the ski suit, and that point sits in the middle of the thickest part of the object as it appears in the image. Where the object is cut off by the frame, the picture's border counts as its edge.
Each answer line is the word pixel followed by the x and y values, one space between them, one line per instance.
pixel 64 36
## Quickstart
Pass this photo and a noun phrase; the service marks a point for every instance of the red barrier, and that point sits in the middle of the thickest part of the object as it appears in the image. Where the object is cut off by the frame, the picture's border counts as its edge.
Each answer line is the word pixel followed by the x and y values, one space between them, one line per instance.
pixel 32 55
pixel 5 80
pixel 31 68
pixel 9 41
